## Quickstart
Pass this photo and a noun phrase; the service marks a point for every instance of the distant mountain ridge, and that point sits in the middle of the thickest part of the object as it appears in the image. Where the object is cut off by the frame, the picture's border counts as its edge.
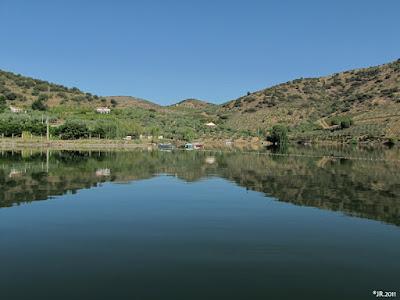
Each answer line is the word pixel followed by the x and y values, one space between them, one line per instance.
pixel 194 103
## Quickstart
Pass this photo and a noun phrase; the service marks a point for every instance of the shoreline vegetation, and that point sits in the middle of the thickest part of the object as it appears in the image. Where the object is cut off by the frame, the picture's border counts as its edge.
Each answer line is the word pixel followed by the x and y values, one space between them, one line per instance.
pixel 114 144
pixel 254 145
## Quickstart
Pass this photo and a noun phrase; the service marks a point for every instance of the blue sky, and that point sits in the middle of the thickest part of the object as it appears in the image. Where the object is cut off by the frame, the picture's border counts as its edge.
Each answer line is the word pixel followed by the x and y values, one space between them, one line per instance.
pixel 217 50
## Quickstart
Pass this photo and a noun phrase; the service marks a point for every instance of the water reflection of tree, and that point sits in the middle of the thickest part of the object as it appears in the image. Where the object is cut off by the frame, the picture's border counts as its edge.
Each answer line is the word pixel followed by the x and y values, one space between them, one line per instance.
pixel 364 188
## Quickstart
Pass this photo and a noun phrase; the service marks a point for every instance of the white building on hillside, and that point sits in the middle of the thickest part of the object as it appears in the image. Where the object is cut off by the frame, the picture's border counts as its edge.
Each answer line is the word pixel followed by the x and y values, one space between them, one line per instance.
pixel 16 109
pixel 103 110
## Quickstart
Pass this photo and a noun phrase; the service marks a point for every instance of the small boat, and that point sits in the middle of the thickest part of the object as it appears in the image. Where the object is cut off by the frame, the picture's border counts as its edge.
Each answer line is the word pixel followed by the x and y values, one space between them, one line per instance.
pixel 197 146
pixel 166 147
pixel 189 146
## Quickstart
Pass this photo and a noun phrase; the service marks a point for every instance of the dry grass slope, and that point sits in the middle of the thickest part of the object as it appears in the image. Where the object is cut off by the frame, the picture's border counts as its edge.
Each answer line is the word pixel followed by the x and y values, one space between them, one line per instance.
pixel 370 96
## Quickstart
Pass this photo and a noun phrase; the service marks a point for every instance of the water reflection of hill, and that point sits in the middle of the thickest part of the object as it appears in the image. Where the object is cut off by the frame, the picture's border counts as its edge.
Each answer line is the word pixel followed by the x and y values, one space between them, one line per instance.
pixel 366 188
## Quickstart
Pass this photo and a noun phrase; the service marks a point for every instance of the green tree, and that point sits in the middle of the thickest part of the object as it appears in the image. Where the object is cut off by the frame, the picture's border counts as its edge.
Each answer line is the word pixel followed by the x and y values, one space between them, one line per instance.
pixel 105 129
pixel 189 134
pixel 10 127
pixel 278 135
pixel 3 103
pixel 73 130
pixel 114 102
pixel 39 105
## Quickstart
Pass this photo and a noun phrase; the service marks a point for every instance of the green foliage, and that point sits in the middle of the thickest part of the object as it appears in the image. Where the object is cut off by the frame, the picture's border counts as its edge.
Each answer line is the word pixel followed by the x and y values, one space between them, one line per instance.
pixel 342 121
pixel 11 125
pixel 3 103
pixel 41 87
pixel 39 105
pixel 278 135
pixel 114 102
pixel 105 129
pixel 73 130
pixel 189 135
pixel 43 97
pixel 11 96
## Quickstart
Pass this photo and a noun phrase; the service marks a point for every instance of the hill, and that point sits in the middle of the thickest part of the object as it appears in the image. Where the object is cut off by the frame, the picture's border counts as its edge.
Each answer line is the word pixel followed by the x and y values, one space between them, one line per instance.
pixel 194 104
pixel 310 106
pixel 23 91
pixel 360 105
pixel 129 101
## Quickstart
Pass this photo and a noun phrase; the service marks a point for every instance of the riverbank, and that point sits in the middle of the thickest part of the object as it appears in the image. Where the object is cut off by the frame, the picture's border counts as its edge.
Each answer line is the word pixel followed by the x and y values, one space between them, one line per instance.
pixel 84 144
pixel 253 144
pixel 104 144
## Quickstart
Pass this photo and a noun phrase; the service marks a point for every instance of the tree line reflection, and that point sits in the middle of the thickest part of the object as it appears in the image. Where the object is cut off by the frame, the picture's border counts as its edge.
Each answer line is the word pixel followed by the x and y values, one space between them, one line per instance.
pixel 368 188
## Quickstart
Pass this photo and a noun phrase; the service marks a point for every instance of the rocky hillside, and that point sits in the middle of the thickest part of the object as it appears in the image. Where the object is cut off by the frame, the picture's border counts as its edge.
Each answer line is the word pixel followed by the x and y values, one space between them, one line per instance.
pixel 371 97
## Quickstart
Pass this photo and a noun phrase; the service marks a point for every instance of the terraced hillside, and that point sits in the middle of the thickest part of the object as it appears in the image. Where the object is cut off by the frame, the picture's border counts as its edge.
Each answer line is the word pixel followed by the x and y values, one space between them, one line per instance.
pixel 371 97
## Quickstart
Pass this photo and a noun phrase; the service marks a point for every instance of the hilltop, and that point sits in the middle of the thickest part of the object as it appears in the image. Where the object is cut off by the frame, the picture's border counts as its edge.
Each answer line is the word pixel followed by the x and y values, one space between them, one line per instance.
pixel 369 96
pixel 195 104
pixel 129 101
pixel 360 105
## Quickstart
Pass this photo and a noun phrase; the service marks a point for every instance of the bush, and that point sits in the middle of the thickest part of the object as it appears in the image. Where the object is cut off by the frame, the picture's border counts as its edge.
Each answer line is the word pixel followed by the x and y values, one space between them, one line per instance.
pixel 346 123
pixel 39 105
pixel 250 110
pixel 73 130
pixel 16 125
pixel 42 87
pixel 279 135
pixel 105 130
pixel 43 97
pixel 11 127
pixel 114 102
pixel 3 103
pixel 342 121
pixel 11 96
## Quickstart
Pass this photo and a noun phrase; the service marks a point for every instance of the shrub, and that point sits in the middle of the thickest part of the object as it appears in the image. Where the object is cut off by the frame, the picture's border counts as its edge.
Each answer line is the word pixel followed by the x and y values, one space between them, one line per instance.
pixel 105 130
pixel 39 105
pixel 73 130
pixel 114 102
pixel 346 123
pixel 43 97
pixel 3 103
pixel 42 87
pixel 11 96
pixel 11 127
pixel 279 135
pixel 342 121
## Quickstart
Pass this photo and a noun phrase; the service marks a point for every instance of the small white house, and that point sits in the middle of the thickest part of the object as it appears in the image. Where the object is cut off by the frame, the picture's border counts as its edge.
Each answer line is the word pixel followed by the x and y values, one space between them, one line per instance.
pixel 103 110
pixel 16 110
pixel 210 124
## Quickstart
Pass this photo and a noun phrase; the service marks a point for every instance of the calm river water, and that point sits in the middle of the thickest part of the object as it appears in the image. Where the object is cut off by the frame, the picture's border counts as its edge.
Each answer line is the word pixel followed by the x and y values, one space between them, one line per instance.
pixel 199 225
